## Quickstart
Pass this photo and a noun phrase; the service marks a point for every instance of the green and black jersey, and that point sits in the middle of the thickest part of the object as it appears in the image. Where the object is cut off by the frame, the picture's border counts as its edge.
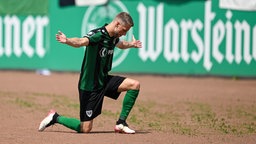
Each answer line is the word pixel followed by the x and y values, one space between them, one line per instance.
pixel 97 60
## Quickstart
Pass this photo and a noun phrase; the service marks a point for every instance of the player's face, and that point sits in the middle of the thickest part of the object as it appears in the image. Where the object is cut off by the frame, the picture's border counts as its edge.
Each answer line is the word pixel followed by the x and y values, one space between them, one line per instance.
pixel 121 30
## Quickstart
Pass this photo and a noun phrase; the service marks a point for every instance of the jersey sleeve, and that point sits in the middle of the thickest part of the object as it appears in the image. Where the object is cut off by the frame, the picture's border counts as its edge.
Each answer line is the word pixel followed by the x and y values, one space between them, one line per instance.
pixel 94 37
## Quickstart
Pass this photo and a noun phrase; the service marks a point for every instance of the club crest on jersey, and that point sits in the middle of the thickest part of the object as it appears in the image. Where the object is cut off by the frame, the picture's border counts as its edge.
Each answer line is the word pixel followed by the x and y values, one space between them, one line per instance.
pixel 89 113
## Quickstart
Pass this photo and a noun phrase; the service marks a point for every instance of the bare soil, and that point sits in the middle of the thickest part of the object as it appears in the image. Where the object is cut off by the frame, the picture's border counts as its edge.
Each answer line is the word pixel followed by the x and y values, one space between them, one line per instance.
pixel 26 98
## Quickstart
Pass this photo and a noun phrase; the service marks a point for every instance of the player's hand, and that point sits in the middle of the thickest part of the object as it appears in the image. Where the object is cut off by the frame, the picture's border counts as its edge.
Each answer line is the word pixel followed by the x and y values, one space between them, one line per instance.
pixel 61 37
pixel 136 43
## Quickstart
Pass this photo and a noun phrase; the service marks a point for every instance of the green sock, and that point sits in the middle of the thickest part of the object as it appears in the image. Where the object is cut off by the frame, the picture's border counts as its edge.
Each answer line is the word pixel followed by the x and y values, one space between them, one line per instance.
pixel 71 123
pixel 128 102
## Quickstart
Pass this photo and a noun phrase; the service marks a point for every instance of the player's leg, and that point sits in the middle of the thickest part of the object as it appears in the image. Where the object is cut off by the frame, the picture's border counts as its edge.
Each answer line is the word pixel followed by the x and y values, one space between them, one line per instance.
pixel 53 117
pixel 132 87
pixel 129 84
pixel 114 87
pixel 71 123
pixel 90 108
pixel 88 111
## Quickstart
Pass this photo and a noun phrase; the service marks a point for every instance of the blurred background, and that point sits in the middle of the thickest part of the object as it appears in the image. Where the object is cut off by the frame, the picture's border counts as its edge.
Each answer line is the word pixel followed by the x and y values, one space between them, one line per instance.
pixel 180 37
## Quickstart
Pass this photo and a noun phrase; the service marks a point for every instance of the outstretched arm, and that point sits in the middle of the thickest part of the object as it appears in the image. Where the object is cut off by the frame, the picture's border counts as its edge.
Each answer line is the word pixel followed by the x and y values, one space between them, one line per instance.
pixel 74 42
pixel 132 44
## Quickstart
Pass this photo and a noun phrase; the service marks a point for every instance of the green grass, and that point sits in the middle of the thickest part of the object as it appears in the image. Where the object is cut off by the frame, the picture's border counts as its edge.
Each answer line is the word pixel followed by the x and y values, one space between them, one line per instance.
pixel 109 113
pixel 24 103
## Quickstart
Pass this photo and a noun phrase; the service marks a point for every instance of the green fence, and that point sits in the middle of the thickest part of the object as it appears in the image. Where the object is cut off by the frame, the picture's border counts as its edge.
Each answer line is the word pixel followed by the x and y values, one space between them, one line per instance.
pixel 179 37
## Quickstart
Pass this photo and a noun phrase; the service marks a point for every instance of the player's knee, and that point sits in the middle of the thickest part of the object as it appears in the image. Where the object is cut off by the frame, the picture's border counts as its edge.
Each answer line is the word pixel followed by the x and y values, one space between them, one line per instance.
pixel 86 129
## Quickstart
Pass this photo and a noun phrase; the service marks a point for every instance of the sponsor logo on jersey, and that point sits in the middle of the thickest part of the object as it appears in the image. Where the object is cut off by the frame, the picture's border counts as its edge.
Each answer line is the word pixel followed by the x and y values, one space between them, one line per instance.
pixel 104 52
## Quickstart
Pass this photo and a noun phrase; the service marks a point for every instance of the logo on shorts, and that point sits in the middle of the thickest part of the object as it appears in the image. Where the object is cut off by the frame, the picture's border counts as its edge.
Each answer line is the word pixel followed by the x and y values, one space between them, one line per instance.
pixel 89 113
pixel 96 16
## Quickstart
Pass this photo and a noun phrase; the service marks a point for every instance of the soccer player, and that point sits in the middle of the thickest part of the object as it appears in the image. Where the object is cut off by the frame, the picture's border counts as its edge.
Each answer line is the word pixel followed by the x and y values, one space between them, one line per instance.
pixel 94 81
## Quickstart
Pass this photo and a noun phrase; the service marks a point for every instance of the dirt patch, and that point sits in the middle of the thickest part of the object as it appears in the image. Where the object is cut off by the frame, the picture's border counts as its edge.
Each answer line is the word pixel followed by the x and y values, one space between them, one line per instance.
pixel 168 110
